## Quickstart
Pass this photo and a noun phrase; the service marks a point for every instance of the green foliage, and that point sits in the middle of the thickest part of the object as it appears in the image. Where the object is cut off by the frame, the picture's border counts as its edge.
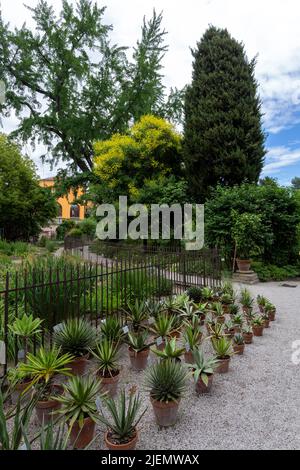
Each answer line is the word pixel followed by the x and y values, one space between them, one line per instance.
pixel 75 336
pixel 26 326
pixel 170 350
pixel 42 366
pixel 87 85
pixel 166 381
pixel 195 294
pixel 127 163
pixel 270 272
pixel 79 400
pixel 238 339
pixel 123 420
pixel 64 228
pixel 247 233
pixel 25 207
pixel 112 330
pixel 246 298
pixel 278 210
pixel 15 248
pixel 138 341
pixel 296 182
pixel 192 335
pixel 136 314
pixel 223 137
pixel 222 347
pixel 106 355
pixel 163 325
pixel 203 367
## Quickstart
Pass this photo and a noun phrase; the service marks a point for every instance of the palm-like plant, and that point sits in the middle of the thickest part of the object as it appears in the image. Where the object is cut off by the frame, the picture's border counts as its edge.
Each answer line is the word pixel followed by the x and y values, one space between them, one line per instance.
pixel 216 330
pixel 106 355
pixel 203 367
pixel 217 308
pixel 138 341
pixel 79 400
pixel 26 327
pixel 238 319
pixel 222 347
pixel 166 381
pixel 170 350
pixel 207 294
pixel 112 330
pixel 233 309
pixel 75 336
pixel 257 321
pixel 42 366
pixel 246 299
pixel 261 300
pixel 163 325
pixel 238 339
pixel 124 417
pixel 136 313
pixel 154 308
pixel 192 335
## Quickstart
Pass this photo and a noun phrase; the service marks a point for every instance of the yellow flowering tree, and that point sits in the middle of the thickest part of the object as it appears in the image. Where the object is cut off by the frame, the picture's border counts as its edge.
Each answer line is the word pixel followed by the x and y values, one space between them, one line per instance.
pixel 124 164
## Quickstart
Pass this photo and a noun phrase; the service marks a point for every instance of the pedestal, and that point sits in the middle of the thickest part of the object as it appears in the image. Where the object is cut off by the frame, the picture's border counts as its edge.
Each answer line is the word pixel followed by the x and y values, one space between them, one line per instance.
pixel 245 277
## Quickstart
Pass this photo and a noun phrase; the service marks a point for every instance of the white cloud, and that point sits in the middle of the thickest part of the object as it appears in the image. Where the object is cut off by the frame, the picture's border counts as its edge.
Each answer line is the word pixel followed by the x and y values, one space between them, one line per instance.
pixel 280 157
pixel 267 28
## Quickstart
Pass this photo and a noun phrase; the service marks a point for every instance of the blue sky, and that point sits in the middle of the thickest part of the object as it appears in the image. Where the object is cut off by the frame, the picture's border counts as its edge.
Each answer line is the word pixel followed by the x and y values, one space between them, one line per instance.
pixel 269 30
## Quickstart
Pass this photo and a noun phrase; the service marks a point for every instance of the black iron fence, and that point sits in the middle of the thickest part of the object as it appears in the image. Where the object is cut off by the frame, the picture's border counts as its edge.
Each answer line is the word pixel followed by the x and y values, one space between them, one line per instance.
pixel 94 287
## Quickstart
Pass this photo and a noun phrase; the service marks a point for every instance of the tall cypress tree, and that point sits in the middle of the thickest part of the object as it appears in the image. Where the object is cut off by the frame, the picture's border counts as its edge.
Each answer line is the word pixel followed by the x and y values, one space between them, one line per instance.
pixel 223 137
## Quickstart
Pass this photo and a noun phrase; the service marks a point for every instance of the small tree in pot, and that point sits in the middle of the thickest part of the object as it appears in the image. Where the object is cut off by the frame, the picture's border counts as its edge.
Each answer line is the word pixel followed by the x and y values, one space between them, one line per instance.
pixel 138 349
pixel 224 351
pixel 76 337
pixel 247 235
pixel 42 368
pixel 78 407
pixel 108 369
pixel 166 382
pixel 203 370
pixel 122 431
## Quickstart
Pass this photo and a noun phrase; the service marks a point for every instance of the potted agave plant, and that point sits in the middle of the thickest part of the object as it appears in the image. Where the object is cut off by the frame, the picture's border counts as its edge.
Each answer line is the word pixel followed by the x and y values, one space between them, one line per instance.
pixel 42 369
pixel 238 321
pixel 170 351
pixel 233 310
pixel 108 369
pixel 26 328
pixel 192 336
pixel 194 294
pixel 229 329
pixel 266 319
pixel 166 382
pixel 203 370
pixel 122 423
pixel 138 349
pixel 78 407
pixel 238 344
pixel 261 302
pixel 217 309
pixel 76 337
pixel 270 309
pixel 223 349
pixel 136 314
pixel 248 334
pixel 162 328
pixel 258 326
pixel 112 330
pixel 226 301
pixel 246 301
pixel 208 295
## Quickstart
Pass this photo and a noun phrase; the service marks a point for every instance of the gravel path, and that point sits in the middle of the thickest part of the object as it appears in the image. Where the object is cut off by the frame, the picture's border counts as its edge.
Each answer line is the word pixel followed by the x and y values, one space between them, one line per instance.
pixel 255 406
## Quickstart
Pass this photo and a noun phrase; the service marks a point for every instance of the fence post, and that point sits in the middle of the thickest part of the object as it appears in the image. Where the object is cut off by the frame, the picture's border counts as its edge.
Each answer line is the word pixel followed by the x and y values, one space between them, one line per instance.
pixel 184 271
pixel 6 294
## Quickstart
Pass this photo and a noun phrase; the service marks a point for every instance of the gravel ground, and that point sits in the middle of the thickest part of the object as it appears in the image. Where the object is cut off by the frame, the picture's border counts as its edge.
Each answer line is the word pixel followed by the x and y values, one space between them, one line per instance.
pixel 255 406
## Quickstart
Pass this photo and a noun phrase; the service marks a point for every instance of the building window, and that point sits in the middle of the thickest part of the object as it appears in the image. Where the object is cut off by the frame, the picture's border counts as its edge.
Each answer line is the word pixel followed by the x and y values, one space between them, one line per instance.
pixel 59 210
pixel 74 211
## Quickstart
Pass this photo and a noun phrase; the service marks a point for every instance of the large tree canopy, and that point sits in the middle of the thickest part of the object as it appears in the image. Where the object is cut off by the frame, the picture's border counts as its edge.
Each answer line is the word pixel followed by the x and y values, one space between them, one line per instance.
pixel 139 164
pixel 70 86
pixel 223 139
pixel 25 207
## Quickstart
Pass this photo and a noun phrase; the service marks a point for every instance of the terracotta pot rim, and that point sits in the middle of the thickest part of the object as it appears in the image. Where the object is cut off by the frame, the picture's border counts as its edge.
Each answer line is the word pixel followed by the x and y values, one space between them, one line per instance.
pixel 50 403
pixel 144 352
pixel 88 419
pixel 224 359
pixel 161 404
pixel 121 446
pixel 111 379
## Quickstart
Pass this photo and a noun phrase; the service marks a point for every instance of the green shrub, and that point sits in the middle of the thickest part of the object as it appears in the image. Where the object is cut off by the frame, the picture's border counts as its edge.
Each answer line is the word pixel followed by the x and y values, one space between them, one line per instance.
pixel 64 228
pixel 88 227
pixel 14 248
pixel 270 272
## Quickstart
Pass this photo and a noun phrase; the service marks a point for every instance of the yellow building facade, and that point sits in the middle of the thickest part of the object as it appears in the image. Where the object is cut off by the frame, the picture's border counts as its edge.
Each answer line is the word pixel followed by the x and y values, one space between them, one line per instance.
pixel 68 209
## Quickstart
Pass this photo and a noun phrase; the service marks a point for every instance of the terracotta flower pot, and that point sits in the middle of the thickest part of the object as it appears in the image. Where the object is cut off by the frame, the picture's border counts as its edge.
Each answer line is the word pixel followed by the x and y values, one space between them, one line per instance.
pixel 201 387
pixel 110 384
pixel 188 357
pixel 226 309
pixel 230 333
pixel 175 334
pixel 267 324
pixel 239 349
pixel 130 445
pixel 223 366
pixel 202 318
pixel 243 265
pixel 18 393
pixel 78 365
pixel 237 329
pixel 258 330
pixel 138 359
pixel 221 320
pixel 165 413
pixel 246 310
pixel 44 409
pixel 272 315
pixel 261 308
pixel 248 337
pixel 161 347
pixel 80 438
